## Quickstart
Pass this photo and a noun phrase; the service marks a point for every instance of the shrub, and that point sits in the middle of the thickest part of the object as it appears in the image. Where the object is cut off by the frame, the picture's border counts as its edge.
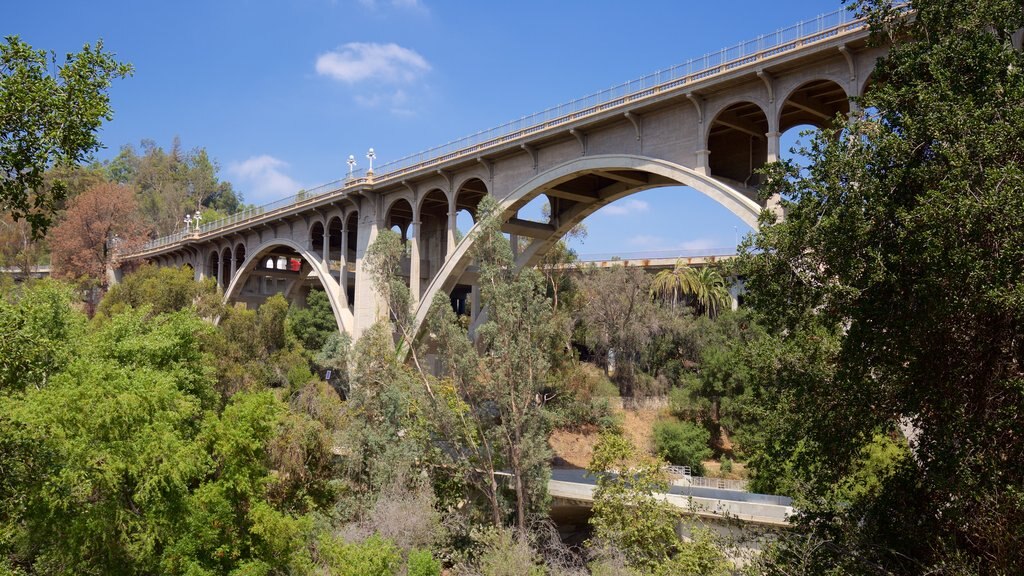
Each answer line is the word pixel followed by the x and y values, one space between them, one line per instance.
pixel 507 553
pixel 682 443
pixel 374 556
pixel 726 465
pixel 422 563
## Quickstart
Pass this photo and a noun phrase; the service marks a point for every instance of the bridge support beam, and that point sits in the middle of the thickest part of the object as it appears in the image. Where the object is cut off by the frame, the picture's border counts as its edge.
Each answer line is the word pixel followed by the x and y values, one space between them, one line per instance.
pixel 368 306
pixel 414 262
pixel 450 247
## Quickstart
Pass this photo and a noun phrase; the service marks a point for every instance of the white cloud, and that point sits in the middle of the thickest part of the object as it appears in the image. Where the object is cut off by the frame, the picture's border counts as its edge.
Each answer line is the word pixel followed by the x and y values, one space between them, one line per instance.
pixel 262 179
pixel 358 62
pixel 625 207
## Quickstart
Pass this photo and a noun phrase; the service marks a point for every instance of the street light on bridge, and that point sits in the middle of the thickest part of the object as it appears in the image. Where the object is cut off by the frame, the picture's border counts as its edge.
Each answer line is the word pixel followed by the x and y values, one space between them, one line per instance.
pixel 371 155
pixel 351 165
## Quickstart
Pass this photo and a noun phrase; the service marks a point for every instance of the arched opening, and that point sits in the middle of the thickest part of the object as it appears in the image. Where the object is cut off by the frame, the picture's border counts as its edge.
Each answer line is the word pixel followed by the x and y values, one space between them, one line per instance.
pixel 465 296
pixel 225 276
pixel 213 266
pixel 239 256
pixel 348 280
pixel 287 267
pixel 467 199
pixel 399 218
pixel 738 144
pixel 814 103
pixel 316 239
pixel 334 232
pixel 433 234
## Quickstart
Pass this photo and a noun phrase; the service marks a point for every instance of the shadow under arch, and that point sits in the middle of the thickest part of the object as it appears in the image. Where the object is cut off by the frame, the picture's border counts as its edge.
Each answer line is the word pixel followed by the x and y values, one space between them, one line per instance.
pixel 656 173
pixel 342 315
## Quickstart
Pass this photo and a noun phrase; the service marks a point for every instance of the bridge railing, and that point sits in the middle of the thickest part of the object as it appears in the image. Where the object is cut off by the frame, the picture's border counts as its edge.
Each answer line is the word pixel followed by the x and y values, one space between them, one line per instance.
pixel 724 252
pixel 764 46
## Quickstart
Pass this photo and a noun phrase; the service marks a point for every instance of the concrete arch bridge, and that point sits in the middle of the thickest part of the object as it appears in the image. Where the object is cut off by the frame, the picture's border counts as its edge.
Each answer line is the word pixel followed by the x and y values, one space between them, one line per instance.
pixel 709 124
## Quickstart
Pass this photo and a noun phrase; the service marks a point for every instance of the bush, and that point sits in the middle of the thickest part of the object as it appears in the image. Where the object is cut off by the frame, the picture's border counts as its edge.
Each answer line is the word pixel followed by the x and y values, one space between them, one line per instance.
pixel 726 467
pixel 422 563
pixel 682 443
pixel 507 553
pixel 374 556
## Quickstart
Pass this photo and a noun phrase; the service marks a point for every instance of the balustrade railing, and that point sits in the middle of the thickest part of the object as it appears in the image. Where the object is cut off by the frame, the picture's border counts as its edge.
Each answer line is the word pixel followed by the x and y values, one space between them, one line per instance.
pixel 765 46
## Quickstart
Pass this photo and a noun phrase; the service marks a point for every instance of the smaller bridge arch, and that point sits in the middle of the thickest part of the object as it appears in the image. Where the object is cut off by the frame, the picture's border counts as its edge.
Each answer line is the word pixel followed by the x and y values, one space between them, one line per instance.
pixel 266 252
pixel 737 142
pixel 815 102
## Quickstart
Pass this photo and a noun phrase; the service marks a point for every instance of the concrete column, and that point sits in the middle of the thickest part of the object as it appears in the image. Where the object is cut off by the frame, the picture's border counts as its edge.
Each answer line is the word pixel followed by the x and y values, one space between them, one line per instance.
pixel 702 162
pixel 514 241
pixel 773 146
pixel 325 255
pixel 220 267
pixel 368 307
pixel 474 299
pixel 343 273
pixel 452 226
pixel 414 262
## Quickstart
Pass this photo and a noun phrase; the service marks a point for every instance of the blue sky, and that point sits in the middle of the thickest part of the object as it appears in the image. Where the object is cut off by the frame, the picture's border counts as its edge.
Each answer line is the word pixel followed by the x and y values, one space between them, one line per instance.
pixel 280 93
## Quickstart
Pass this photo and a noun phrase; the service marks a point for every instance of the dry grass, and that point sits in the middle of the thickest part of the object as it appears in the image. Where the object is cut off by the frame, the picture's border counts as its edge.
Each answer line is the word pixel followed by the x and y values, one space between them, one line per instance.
pixel 576 448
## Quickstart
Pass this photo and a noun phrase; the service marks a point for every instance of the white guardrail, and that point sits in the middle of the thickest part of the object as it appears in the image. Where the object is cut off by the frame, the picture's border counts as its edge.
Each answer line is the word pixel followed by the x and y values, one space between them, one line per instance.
pixel 763 47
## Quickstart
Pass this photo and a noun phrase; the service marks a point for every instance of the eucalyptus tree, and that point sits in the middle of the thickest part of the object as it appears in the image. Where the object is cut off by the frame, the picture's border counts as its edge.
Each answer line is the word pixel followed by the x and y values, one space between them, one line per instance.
pixel 894 296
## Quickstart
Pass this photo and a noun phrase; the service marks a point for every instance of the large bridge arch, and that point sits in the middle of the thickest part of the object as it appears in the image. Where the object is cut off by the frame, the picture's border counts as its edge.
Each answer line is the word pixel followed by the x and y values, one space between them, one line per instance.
pixel 342 314
pixel 630 174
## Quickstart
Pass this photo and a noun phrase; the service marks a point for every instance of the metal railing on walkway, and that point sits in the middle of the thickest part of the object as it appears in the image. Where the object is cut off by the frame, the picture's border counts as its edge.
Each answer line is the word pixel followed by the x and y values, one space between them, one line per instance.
pixel 765 46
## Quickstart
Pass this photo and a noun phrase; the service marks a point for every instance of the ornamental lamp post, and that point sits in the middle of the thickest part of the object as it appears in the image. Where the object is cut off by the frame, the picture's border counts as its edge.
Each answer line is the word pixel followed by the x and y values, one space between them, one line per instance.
pixel 370 155
pixel 351 165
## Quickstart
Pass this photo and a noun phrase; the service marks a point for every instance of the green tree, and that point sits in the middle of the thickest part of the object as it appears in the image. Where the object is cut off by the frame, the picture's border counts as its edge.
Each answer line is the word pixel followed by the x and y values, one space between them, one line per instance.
pixel 893 290
pixel 171 183
pixel 162 289
pixel 47 120
pixel 313 323
pixel 682 443
pixel 703 288
pixel 626 513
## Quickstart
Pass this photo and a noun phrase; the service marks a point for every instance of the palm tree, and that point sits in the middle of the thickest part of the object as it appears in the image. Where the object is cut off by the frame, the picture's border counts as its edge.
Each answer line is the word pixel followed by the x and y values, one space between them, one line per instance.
pixel 713 295
pixel 679 282
pixel 704 288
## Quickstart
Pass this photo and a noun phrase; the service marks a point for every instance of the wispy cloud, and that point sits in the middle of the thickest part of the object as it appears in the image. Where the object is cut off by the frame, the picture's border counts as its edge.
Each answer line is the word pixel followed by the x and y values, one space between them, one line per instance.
pixel 380 75
pixel 625 207
pixel 358 62
pixel 262 178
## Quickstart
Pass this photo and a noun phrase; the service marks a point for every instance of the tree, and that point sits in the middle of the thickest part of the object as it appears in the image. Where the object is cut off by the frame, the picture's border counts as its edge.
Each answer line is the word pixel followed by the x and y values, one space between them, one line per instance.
pixel 98 224
pixel 47 120
pixel 487 407
pixel 626 513
pixel 162 290
pixel 314 323
pixel 18 248
pixel 703 288
pixel 618 318
pixel 893 293
pixel 682 443
pixel 172 183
